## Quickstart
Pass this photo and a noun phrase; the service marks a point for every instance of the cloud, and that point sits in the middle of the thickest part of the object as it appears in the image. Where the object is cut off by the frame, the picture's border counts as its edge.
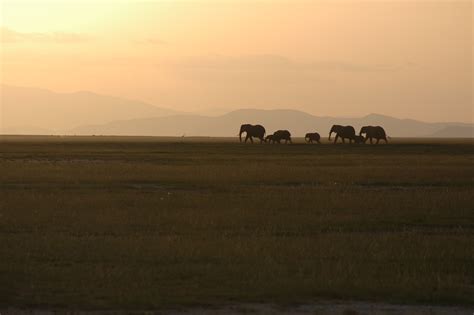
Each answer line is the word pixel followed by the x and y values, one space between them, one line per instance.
pixel 9 36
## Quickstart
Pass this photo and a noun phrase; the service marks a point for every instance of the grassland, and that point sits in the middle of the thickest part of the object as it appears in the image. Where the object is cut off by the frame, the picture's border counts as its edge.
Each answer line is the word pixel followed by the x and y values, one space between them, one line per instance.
pixel 142 223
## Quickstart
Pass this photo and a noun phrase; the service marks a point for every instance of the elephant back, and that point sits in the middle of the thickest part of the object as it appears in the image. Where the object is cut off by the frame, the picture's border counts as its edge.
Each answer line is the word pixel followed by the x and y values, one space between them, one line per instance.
pixel 348 132
pixel 259 130
pixel 374 132
pixel 282 134
pixel 379 132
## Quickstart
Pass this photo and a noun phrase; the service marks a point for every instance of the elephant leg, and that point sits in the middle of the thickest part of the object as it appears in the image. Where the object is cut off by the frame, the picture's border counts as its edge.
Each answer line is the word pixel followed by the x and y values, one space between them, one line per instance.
pixel 335 139
pixel 378 139
pixel 371 140
pixel 343 140
pixel 385 140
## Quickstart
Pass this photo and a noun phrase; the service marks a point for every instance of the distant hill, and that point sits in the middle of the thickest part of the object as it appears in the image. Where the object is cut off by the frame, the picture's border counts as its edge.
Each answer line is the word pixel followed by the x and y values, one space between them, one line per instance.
pixel 38 111
pixel 26 130
pixel 24 110
pixel 297 122
pixel 455 132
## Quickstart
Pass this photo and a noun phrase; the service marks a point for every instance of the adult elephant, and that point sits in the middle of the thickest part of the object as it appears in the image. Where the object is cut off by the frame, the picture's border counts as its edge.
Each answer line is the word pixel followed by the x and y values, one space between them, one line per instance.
pixel 312 137
pixel 373 132
pixel 252 131
pixel 281 135
pixel 343 132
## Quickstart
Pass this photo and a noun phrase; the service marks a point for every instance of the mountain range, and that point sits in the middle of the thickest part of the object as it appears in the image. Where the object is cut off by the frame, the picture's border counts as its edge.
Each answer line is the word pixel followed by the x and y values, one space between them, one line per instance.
pixel 37 111
pixel 297 122
pixel 34 110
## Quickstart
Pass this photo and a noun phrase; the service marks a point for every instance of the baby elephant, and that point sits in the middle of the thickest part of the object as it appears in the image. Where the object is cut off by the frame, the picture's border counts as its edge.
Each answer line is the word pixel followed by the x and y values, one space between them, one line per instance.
pixel 312 137
pixel 281 135
pixel 359 139
pixel 269 139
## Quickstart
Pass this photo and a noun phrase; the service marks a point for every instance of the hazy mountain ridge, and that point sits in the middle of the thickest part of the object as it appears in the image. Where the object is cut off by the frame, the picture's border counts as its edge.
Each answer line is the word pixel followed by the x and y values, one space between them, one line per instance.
pixel 41 109
pixel 297 122
pixel 455 131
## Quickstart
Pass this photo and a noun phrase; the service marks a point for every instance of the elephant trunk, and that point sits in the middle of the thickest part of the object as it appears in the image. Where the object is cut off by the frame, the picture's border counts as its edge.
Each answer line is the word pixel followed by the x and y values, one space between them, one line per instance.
pixel 330 135
pixel 240 135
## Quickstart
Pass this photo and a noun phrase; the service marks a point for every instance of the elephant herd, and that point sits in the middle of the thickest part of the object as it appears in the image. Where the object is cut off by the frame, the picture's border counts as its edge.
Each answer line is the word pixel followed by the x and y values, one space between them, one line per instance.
pixel 370 133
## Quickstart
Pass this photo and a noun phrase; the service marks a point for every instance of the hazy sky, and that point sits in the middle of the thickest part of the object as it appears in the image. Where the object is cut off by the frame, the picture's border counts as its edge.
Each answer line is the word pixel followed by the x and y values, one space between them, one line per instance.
pixel 410 59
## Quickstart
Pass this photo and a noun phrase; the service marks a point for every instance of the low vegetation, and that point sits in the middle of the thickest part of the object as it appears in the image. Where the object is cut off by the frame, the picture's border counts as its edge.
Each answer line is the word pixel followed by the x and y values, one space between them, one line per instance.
pixel 139 223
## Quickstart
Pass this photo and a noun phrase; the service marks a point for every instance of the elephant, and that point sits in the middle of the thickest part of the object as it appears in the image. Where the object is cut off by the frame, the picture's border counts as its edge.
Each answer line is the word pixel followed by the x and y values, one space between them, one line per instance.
pixel 372 132
pixel 281 135
pixel 269 139
pixel 312 136
pixel 343 132
pixel 359 139
pixel 252 131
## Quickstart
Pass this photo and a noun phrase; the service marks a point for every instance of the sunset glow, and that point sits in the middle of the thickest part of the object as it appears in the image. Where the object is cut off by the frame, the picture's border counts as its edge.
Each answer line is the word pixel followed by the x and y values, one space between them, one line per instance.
pixel 346 58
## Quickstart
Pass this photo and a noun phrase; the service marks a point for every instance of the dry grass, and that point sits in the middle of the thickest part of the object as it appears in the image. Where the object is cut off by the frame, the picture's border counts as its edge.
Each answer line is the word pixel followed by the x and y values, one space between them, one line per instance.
pixel 143 223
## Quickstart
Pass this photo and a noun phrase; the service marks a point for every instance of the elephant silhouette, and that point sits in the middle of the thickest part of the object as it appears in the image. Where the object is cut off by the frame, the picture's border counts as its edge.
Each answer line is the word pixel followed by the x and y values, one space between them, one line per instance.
pixel 373 132
pixel 269 139
pixel 312 137
pixel 343 132
pixel 359 139
pixel 281 135
pixel 252 131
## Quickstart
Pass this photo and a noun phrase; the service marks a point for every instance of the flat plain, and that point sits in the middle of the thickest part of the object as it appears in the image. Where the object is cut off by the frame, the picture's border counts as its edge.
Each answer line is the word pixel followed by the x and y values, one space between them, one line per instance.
pixel 156 223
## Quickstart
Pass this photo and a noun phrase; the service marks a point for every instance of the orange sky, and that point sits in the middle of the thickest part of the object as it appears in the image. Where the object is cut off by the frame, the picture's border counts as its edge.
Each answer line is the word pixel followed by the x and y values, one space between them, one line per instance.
pixel 346 58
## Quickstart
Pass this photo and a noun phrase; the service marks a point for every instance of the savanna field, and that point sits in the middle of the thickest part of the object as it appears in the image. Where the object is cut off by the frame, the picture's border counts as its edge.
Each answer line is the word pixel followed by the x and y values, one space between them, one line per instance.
pixel 152 223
